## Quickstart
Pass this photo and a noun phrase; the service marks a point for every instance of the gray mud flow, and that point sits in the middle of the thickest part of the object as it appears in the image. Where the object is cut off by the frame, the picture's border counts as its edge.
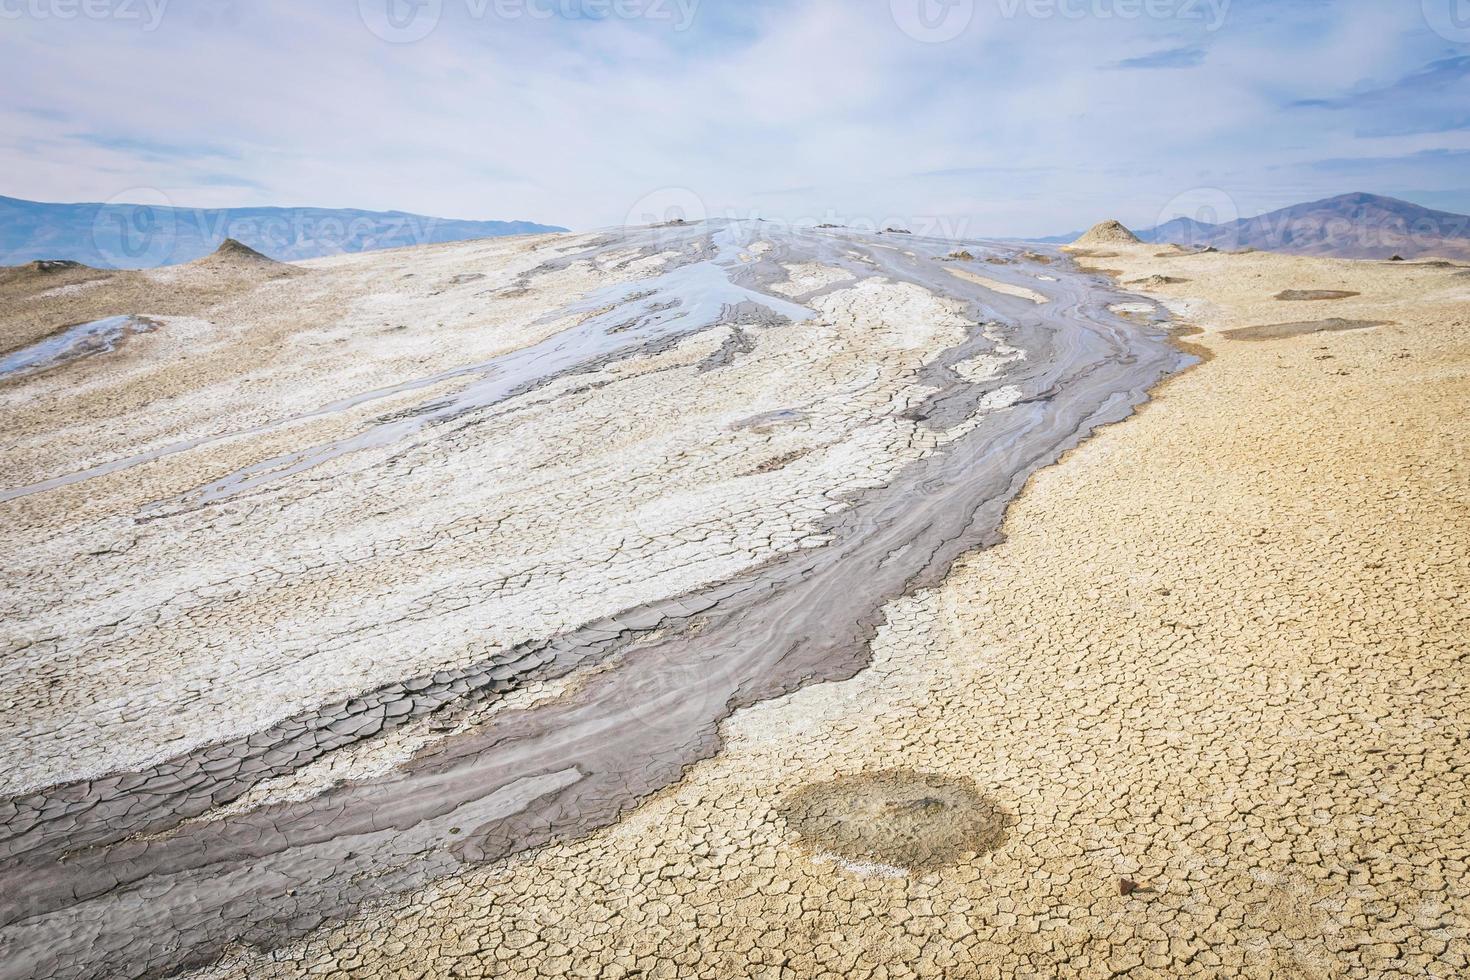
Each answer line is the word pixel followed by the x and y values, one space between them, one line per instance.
pixel 83 894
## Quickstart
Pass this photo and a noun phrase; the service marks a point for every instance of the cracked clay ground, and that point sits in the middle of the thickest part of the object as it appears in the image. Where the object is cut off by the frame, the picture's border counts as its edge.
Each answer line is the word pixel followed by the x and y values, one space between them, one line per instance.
pixel 669 610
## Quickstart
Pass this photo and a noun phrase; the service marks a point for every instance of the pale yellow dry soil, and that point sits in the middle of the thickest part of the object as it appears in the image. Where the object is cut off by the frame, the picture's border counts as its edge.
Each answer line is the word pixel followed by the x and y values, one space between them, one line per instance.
pixel 1202 714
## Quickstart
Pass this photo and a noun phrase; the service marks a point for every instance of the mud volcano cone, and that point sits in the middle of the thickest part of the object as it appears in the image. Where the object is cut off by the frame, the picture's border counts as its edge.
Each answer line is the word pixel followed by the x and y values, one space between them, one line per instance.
pixel 1108 233
pixel 236 257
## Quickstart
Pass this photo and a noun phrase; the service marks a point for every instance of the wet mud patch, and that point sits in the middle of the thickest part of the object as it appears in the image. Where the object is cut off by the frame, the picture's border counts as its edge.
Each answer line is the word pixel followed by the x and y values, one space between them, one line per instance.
pixel 74 343
pixel 1280 331
pixel 1312 295
pixel 897 819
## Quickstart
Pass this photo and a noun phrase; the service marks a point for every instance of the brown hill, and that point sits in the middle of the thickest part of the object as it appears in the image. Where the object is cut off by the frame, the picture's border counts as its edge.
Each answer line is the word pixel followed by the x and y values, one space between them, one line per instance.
pixel 1350 226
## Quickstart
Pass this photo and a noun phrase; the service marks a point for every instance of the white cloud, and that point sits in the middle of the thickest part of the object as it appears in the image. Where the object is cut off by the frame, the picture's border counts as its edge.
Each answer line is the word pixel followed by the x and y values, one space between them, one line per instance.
pixel 828 101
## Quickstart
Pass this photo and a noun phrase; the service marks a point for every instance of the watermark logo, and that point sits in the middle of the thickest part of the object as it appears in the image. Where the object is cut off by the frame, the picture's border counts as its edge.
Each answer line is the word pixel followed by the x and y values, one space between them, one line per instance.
pixel 1211 14
pixel 674 207
pixel 400 21
pixel 1196 217
pixel 142 228
pixel 932 21
pixel 1450 19
pixel 146 14
pixel 1351 226
pixel 136 229
pixel 407 21
pixel 666 206
pixel 670 691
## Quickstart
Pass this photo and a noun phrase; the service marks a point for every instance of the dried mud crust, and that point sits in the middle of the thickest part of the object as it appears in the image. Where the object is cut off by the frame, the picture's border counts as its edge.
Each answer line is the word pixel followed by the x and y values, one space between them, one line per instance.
pixel 1220 654
pixel 900 409
pixel 900 820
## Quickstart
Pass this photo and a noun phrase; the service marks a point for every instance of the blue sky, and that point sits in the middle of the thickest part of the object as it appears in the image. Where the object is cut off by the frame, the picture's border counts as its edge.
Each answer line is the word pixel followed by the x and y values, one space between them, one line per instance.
pixel 1003 117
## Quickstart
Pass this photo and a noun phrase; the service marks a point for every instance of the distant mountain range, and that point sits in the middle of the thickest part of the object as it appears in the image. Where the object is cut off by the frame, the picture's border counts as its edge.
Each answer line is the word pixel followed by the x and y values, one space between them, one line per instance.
pixel 1351 226
pixel 142 236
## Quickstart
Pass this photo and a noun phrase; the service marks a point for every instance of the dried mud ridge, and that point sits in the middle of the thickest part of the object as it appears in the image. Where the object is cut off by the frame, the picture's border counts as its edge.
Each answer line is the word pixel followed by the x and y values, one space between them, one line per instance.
pixel 109 876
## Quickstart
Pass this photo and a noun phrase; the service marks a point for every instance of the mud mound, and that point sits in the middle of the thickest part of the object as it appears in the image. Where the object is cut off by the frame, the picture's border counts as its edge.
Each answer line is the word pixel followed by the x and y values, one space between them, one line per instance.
pixel 48 266
pixel 1153 282
pixel 26 289
pixel 45 269
pixel 1108 233
pixel 899 819
pixel 1311 295
pixel 1277 331
pixel 1439 264
pixel 235 256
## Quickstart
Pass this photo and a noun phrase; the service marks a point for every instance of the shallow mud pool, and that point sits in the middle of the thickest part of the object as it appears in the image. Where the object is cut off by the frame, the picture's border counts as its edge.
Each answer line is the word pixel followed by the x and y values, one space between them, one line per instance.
pixel 71 343
pixel 121 850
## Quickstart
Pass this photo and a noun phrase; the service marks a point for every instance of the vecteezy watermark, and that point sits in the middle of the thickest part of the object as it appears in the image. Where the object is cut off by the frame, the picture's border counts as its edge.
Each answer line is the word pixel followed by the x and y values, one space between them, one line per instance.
pixel 406 21
pixel 1208 217
pixel 1199 216
pixel 1211 13
pixel 142 228
pixel 932 21
pixel 136 229
pixel 678 207
pixel 148 14
pixel 400 21
pixel 1450 19
pixel 667 206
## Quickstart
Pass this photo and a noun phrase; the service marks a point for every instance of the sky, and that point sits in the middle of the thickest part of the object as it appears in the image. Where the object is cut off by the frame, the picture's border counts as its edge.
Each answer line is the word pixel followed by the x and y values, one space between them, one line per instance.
pixel 965 117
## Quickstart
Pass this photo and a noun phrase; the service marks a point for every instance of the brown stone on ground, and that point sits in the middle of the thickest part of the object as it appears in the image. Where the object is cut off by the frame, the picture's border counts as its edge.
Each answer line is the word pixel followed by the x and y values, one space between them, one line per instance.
pixel 1310 295
pixel 1277 331
pixel 899 818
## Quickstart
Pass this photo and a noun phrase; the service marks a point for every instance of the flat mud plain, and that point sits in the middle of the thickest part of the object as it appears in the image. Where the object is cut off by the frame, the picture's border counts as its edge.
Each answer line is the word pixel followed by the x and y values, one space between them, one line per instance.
pixel 640 604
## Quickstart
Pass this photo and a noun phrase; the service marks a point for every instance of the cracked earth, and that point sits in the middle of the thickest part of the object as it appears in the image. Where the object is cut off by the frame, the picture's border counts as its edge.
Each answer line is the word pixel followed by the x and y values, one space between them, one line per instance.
pixel 661 603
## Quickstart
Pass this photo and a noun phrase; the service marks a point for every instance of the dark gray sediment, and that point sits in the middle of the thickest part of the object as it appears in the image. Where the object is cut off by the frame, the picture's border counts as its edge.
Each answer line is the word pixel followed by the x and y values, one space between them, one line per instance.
pixel 1314 295
pixel 81 897
pixel 1280 331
